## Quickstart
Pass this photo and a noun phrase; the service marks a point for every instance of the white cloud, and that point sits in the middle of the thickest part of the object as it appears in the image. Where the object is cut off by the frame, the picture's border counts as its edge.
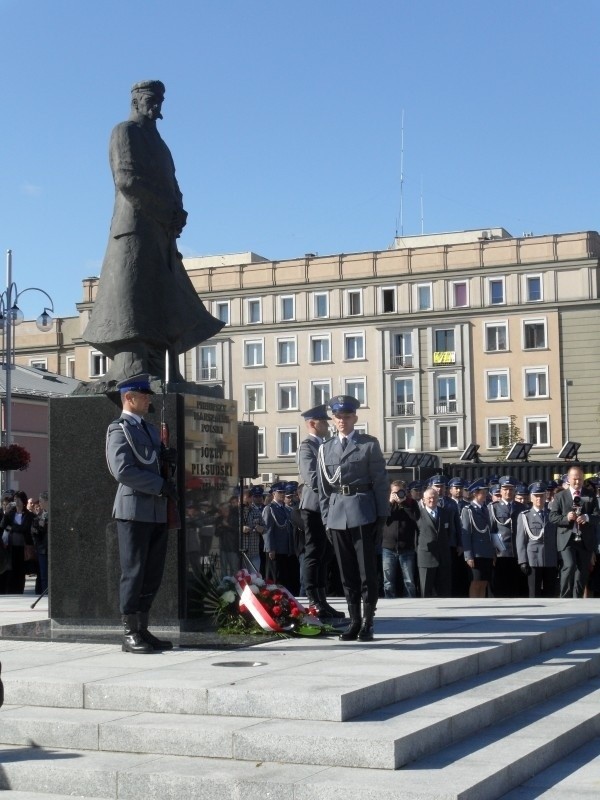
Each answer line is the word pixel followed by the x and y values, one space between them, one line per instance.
pixel 31 190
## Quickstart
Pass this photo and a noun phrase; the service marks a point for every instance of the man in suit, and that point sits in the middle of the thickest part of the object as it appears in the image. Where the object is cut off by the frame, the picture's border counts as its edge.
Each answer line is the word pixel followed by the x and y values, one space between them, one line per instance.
pixel 435 525
pixel 317 550
pixel 508 578
pixel 133 454
pixel 571 511
pixel 354 499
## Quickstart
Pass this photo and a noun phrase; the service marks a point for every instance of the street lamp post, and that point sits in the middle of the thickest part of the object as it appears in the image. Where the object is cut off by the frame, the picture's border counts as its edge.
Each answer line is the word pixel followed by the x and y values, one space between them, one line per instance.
pixel 11 315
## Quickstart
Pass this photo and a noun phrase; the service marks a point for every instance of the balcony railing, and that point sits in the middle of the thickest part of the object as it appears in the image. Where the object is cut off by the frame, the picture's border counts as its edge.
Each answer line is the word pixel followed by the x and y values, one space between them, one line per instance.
pixel 404 409
pixel 208 373
pixel 447 407
pixel 397 362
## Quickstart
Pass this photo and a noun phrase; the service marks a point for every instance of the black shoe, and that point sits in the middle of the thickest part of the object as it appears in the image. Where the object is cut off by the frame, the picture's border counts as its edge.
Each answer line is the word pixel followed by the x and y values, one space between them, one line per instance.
pixel 351 632
pixel 365 633
pixel 132 640
pixel 133 643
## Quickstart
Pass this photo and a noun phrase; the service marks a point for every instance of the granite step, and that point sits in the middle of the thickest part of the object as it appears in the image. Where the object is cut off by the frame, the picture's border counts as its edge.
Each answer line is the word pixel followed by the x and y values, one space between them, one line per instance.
pixel 385 739
pixel 293 682
pixel 483 767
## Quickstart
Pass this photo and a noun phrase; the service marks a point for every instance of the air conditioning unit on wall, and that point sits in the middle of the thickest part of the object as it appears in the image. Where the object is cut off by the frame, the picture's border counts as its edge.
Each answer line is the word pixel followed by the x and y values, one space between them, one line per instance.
pixel 268 477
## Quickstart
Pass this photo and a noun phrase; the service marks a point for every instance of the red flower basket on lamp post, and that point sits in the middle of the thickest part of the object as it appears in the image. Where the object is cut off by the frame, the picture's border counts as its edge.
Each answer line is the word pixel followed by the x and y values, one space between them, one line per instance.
pixel 13 457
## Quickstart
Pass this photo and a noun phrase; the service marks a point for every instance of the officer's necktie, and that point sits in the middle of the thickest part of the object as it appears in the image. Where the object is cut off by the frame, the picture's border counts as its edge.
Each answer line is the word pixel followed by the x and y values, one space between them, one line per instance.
pixel 344 442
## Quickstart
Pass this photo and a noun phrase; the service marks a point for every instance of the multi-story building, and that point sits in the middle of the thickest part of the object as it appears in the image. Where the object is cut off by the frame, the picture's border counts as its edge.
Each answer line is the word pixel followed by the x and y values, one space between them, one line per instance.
pixel 446 340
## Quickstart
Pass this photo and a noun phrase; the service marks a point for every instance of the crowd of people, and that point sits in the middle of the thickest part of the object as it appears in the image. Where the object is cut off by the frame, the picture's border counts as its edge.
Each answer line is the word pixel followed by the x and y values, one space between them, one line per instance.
pixel 448 538
pixel 23 541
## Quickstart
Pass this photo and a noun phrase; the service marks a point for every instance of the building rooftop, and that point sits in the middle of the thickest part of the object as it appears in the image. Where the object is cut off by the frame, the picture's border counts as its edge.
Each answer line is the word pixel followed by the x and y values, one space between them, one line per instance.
pixel 37 382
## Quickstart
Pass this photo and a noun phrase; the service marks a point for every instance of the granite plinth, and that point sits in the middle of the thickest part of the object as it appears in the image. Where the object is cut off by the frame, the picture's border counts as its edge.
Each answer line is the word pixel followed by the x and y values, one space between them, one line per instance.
pixel 84 569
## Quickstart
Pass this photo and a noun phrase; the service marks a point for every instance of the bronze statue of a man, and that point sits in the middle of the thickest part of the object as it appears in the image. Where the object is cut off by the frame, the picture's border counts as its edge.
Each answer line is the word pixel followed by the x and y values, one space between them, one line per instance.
pixel 146 305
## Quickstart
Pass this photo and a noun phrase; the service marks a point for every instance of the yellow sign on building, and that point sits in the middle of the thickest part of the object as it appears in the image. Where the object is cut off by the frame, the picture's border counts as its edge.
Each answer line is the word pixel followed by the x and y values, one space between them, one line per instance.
pixel 444 357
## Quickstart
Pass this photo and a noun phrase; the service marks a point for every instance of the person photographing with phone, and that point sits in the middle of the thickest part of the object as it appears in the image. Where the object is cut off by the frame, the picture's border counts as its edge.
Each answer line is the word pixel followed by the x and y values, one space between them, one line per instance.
pixel 398 544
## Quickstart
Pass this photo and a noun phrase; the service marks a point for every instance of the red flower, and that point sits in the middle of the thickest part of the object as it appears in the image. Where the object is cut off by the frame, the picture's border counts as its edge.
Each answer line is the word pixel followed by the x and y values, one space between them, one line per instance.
pixel 295 612
pixel 276 611
pixel 242 608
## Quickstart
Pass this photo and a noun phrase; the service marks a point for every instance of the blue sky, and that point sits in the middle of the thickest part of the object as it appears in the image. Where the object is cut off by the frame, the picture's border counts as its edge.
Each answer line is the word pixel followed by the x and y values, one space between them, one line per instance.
pixel 284 120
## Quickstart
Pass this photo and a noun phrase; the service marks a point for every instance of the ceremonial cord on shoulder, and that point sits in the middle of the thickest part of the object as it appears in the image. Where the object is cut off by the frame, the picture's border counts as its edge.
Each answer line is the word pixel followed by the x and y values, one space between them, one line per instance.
pixel 335 478
pixel 479 530
pixel 136 453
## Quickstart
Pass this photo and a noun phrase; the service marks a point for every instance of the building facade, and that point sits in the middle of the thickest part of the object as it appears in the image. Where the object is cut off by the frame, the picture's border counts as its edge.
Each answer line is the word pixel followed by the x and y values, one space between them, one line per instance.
pixel 446 340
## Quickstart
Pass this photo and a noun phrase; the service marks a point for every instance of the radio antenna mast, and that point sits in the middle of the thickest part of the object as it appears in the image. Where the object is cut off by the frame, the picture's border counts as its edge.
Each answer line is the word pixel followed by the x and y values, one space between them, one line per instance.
pixel 400 223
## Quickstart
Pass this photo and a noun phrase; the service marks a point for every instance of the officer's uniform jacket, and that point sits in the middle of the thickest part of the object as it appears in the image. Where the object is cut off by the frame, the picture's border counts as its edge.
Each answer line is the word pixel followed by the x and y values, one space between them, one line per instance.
pixel 476 537
pixel 279 533
pixel 536 539
pixel 133 458
pixel 504 523
pixel 307 467
pixel 361 465
pixel 560 506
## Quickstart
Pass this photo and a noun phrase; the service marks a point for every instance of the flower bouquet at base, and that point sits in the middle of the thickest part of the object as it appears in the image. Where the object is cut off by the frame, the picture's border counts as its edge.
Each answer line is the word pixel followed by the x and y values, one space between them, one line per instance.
pixel 249 604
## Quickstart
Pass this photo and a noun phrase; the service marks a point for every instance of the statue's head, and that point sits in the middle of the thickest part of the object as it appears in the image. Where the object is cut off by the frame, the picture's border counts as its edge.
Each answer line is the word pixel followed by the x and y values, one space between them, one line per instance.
pixel 147 98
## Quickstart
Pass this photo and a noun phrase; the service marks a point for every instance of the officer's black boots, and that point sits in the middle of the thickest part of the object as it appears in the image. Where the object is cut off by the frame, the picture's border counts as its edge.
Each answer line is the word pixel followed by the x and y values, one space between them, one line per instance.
pixel 365 633
pixel 132 639
pixel 351 632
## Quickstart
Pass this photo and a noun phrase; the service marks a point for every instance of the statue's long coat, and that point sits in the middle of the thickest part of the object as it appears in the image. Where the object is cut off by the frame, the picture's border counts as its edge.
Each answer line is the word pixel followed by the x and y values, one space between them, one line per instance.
pixel 144 293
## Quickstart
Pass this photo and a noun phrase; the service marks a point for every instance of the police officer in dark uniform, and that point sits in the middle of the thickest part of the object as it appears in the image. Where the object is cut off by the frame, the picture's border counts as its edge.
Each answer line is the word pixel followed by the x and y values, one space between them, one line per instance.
pixel 317 550
pixel 509 580
pixel 133 454
pixel 536 544
pixel 354 499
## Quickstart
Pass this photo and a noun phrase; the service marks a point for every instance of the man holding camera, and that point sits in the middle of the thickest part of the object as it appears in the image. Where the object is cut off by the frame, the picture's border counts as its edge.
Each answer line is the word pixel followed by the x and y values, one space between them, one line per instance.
pixel 398 545
pixel 571 511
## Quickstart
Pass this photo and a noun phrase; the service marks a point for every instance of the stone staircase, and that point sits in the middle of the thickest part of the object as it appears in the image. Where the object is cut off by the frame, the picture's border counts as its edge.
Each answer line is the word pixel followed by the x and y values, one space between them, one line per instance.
pixel 446 707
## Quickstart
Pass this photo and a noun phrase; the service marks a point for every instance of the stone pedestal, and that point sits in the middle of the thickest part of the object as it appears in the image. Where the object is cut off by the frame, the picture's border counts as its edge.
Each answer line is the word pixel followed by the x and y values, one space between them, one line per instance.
pixel 84 566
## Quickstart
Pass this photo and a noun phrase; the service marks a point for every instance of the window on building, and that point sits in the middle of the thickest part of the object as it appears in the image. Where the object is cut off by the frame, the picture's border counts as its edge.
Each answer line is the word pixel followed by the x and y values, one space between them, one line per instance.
pixel 254 353
pixel 498 432
pixel 253 311
pixel 497 385
pixel 447 437
pixel 70 366
pixel 444 340
pixel 388 301
pixel 354 346
pixel 402 350
pixel 424 297
pixel 288 441
pixel 223 311
pixel 288 308
pixel 446 394
pixel 320 349
pixel 320 392
pixel 39 363
pixel 261 443
pixel 405 437
pixel 354 302
pixel 321 305
pixel 207 363
pixel 355 387
pixel 536 382
pixel 254 398
pixel 361 428
pixel 98 364
pixel 496 337
pixel 460 294
pixel 404 400
pixel 287 394
pixel 534 334
pixel 286 351
pixel 496 291
pixel 538 431
pixel 534 288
